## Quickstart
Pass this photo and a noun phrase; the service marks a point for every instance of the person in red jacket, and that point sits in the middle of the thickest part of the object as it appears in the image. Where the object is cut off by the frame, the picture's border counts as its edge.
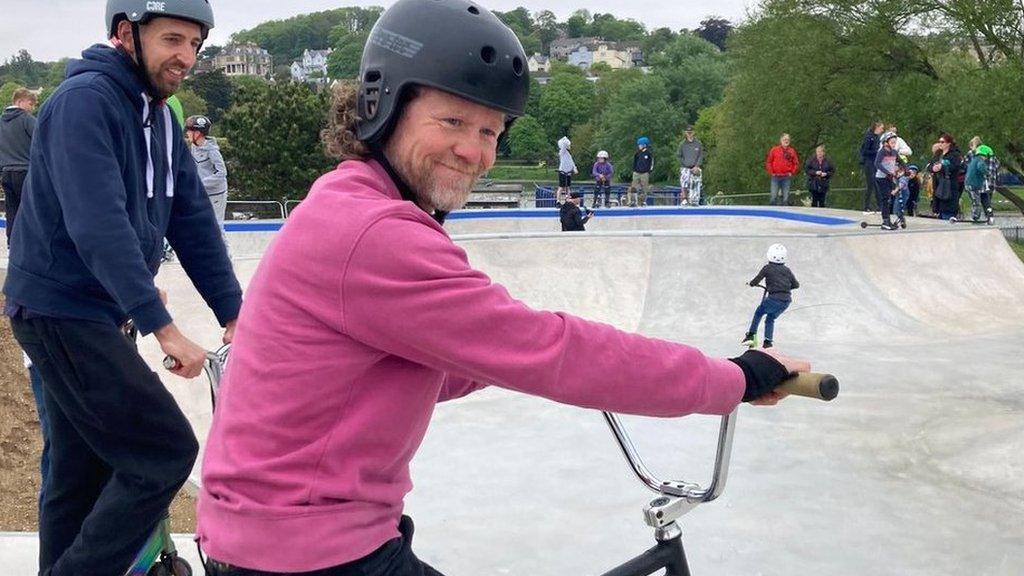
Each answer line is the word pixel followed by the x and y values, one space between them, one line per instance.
pixel 782 164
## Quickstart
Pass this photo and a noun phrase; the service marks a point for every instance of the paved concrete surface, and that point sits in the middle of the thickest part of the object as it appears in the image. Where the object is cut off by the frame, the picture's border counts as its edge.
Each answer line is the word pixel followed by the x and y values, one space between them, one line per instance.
pixel 915 470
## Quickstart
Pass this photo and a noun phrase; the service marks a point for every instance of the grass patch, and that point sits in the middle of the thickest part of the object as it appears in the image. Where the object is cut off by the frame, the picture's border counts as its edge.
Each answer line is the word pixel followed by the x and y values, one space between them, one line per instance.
pixel 1018 248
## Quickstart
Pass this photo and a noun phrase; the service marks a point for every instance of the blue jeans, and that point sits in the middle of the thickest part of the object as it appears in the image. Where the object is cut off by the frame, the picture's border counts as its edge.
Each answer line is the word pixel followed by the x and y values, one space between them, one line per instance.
pixel 770 309
pixel 779 191
pixel 44 462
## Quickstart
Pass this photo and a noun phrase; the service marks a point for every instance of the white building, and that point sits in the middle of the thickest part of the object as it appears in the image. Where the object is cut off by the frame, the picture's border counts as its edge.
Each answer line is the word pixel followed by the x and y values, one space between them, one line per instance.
pixel 312 67
pixel 538 63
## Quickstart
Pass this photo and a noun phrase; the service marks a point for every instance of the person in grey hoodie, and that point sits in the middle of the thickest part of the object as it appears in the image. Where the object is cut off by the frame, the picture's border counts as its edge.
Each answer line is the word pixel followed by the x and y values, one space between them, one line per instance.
pixel 17 124
pixel 691 155
pixel 566 168
pixel 209 162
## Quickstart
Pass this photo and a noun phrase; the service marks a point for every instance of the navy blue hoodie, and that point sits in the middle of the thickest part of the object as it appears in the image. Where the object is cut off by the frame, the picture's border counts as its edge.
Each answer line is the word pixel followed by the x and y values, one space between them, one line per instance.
pixel 91 223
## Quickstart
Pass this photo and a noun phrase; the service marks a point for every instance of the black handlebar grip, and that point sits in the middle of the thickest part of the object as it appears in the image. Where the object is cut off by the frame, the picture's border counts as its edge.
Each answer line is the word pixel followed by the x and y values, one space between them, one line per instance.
pixel 812 385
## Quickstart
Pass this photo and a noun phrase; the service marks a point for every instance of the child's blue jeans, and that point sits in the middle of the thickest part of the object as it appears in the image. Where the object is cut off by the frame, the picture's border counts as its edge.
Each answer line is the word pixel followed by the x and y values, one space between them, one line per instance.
pixel 769 309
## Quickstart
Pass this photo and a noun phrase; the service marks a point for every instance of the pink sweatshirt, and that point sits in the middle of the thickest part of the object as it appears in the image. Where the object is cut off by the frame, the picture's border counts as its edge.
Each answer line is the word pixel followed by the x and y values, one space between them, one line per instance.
pixel 361 316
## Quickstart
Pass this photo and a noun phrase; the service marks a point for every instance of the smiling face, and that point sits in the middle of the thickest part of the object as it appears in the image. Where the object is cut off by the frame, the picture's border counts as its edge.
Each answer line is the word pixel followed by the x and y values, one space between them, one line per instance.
pixel 169 48
pixel 441 145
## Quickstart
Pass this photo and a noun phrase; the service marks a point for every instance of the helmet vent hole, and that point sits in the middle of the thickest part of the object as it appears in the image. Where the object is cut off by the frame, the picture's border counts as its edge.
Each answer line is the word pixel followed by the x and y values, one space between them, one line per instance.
pixel 517 66
pixel 473 10
pixel 488 54
pixel 372 76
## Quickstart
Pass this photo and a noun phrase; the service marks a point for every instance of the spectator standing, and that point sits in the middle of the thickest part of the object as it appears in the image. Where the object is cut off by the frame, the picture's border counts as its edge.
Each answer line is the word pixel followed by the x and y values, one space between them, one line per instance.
pixel 602 171
pixel 868 150
pixel 691 156
pixel 819 171
pixel 209 163
pixel 643 164
pixel 946 166
pixel 566 168
pixel 17 125
pixel 782 163
pixel 977 184
pixel 902 148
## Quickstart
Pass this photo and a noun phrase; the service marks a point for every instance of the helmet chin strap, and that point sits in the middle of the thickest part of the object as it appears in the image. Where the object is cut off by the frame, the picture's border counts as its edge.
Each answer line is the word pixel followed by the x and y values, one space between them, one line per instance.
pixel 138 62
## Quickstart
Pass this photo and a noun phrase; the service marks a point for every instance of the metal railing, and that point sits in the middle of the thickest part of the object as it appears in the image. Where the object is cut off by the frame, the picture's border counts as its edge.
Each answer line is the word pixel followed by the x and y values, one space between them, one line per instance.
pixel 255 210
pixel 1013 233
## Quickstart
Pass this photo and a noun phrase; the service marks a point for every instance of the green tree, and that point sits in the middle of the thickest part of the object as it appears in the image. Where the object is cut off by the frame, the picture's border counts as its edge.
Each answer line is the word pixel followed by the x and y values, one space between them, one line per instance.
pixel 527 140
pixel 215 89
pixel 695 72
pixel 578 24
pixel 715 30
pixel 640 108
pixel 273 133
pixel 287 39
pixel 566 100
pixel 21 68
pixel 192 103
pixel 348 53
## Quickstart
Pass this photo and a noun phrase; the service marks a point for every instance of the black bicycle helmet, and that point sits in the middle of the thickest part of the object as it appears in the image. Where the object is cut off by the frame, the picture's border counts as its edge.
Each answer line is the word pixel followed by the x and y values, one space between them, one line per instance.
pixel 139 11
pixel 199 123
pixel 453 45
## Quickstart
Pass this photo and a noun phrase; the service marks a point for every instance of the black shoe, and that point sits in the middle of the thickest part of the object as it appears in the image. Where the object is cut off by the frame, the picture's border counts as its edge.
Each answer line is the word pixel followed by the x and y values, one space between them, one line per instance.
pixel 750 340
pixel 767 344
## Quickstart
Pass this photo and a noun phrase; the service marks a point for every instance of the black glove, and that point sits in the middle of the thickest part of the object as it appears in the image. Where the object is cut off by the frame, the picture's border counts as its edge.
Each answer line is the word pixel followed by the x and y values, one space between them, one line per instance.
pixel 762 372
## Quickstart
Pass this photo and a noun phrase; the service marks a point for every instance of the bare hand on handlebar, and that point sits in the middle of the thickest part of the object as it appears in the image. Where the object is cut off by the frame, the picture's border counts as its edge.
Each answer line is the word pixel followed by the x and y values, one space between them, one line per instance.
pixel 188 355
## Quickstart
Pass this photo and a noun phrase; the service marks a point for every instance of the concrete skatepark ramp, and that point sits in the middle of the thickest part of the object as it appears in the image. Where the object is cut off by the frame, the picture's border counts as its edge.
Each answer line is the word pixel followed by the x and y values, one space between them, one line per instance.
pixel 915 469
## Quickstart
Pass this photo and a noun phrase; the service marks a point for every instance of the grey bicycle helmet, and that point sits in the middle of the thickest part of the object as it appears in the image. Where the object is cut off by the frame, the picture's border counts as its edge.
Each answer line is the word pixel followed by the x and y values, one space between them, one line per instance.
pixel 139 11
pixel 456 46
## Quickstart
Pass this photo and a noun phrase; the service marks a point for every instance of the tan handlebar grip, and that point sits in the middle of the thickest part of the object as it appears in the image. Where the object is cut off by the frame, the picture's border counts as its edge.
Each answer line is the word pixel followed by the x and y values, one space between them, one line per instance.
pixel 812 385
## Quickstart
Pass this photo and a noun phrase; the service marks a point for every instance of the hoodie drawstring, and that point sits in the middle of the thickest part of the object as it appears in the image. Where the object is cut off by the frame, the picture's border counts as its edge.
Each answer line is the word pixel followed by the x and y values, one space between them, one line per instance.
pixel 147 130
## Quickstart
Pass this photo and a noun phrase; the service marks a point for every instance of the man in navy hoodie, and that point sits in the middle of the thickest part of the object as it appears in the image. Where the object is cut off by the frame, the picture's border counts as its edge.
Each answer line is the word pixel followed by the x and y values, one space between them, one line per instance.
pixel 109 177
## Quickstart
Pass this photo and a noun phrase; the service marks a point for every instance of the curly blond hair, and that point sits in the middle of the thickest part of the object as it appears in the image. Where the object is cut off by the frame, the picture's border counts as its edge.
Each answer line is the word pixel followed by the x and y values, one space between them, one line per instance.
pixel 339 138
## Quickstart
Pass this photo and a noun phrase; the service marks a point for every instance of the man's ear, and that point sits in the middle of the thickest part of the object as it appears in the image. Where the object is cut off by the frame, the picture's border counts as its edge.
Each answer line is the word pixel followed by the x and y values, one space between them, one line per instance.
pixel 125 36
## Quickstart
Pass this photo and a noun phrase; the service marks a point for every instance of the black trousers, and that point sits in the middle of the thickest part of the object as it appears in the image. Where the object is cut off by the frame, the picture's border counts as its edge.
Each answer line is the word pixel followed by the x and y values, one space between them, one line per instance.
pixel 12 182
pixel 869 184
pixel 394 558
pixel 120 448
pixel 884 197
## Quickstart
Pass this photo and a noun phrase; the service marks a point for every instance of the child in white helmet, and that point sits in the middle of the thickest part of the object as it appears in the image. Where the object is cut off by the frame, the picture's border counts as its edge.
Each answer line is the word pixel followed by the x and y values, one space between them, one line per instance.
pixel 779 282
pixel 566 168
pixel 602 173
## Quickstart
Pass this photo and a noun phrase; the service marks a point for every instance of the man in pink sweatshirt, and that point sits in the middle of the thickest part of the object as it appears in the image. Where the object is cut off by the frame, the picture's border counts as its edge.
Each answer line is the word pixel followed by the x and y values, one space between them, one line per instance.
pixel 363 315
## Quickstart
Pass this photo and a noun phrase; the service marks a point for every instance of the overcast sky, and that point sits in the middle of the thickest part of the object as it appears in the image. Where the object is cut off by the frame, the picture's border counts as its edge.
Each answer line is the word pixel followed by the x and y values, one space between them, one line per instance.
pixel 54 29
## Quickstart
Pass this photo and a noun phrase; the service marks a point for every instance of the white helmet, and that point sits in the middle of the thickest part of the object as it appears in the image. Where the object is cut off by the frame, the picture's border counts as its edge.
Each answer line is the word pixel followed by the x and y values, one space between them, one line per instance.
pixel 777 254
pixel 602 154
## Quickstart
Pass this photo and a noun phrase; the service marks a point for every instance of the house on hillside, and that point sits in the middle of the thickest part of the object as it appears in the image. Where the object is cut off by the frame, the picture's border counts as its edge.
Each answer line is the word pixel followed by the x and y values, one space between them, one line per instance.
pixel 245 59
pixel 312 67
pixel 589 51
pixel 538 63
pixel 560 48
